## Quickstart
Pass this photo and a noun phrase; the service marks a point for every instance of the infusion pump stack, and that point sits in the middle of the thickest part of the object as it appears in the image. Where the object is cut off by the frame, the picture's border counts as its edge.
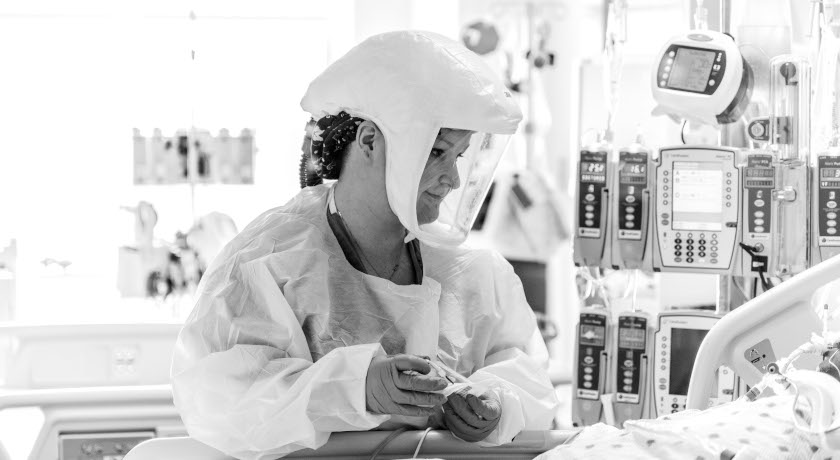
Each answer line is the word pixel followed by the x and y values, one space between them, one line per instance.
pixel 590 379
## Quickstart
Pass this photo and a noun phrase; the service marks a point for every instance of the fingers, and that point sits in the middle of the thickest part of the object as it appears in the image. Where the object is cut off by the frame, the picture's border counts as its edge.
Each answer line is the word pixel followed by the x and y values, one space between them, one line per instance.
pixel 486 407
pixel 419 382
pixel 417 398
pixel 414 411
pixel 459 404
pixel 412 363
pixel 463 430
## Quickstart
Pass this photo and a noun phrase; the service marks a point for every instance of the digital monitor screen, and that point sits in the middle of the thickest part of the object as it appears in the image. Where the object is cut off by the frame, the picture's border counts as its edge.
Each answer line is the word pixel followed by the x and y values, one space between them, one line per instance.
pixel 592 335
pixel 691 69
pixel 591 167
pixel 761 172
pixel 631 338
pixel 698 195
pixel 633 173
pixel 684 346
pixel 831 172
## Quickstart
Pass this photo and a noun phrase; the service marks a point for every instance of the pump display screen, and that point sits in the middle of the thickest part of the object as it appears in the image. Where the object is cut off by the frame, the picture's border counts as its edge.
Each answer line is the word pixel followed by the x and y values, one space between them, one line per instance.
pixel 592 335
pixel 831 172
pixel 631 338
pixel 633 173
pixel 684 346
pixel 698 195
pixel 691 69
pixel 761 172
pixel 593 172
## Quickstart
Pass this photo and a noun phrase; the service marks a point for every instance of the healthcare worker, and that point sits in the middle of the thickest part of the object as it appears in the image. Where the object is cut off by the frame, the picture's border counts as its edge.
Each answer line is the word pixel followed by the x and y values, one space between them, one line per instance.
pixel 315 317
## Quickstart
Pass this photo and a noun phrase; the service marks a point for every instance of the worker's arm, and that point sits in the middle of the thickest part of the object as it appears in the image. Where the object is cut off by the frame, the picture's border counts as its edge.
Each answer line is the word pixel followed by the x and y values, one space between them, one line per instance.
pixel 244 381
pixel 515 367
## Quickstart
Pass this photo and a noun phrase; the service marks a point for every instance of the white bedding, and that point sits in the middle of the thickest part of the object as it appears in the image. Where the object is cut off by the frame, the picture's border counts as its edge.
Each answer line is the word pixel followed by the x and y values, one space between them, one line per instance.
pixel 741 430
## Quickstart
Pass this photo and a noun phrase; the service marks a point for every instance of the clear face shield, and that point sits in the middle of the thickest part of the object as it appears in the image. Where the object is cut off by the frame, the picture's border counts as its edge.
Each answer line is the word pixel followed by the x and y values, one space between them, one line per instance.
pixel 456 178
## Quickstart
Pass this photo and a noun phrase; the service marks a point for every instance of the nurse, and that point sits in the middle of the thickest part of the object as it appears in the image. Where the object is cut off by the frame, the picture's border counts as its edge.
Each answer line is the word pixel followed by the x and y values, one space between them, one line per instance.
pixel 315 317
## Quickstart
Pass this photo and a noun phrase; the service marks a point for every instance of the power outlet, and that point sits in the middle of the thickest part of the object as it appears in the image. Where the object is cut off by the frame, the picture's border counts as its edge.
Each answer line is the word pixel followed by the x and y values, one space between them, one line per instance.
pixel 123 363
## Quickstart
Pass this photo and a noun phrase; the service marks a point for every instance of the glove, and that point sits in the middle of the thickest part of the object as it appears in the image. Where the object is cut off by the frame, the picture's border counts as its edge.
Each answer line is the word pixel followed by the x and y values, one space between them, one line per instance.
pixel 398 385
pixel 472 418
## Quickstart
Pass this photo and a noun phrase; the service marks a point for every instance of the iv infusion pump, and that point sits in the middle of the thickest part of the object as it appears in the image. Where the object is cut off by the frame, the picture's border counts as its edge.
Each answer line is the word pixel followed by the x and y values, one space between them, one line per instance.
pixel 696 210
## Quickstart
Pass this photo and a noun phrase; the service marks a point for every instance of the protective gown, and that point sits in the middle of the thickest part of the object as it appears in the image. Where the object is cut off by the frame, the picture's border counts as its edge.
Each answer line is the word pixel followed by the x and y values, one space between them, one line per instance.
pixel 274 356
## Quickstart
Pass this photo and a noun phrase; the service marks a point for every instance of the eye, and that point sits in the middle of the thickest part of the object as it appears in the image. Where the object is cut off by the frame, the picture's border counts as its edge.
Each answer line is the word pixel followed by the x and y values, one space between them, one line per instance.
pixel 437 153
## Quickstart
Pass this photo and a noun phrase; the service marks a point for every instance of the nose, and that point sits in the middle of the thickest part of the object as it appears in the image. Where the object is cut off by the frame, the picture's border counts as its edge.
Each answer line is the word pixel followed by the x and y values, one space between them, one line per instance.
pixel 451 178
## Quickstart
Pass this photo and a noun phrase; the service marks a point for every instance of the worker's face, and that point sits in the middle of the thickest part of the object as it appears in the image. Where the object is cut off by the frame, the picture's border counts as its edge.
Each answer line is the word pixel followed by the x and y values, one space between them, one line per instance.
pixel 441 173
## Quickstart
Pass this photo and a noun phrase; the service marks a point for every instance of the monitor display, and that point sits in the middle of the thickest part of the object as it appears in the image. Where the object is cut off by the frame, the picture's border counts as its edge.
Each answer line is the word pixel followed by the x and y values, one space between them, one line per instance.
pixel 593 172
pixel 592 335
pixel 831 172
pixel 691 69
pixel 760 172
pixel 698 195
pixel 633 173
pixel 684 346
pixel 631 338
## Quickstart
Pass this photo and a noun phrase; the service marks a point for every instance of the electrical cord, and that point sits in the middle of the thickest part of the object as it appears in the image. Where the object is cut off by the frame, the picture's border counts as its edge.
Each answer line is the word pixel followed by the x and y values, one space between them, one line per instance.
pixel 682 131
pixel 387 441
pixel 765 283
pixel 420 444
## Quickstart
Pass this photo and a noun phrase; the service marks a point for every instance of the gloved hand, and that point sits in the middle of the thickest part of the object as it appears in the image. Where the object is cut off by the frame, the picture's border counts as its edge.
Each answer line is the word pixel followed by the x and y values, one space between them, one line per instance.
pixel 472 418
pixel 398 385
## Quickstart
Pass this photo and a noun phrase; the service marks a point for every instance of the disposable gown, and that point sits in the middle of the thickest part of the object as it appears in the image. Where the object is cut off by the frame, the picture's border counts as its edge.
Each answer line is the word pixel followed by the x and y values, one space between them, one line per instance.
pixel 274 356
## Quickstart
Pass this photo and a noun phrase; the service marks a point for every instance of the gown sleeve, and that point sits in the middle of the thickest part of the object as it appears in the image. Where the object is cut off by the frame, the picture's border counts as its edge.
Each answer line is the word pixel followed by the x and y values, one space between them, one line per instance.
pixel 516 362
pixel 243 377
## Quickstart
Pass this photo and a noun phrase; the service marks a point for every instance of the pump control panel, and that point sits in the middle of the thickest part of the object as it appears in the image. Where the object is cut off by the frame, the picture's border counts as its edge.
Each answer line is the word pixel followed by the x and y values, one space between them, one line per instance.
pixel 592 208
pixel 759 181
pixel 631 209
pixel 696 210
pixel 827 206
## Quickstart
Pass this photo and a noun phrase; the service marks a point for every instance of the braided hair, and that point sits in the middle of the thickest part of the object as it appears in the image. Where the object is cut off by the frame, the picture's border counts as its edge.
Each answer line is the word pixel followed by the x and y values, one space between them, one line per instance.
pixel 323 155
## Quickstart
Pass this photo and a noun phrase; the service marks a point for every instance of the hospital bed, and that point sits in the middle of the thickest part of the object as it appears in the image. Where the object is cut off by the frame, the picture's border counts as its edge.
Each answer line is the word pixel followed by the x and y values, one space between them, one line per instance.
pixel 361 445
pixel 67 389
pixel 763 330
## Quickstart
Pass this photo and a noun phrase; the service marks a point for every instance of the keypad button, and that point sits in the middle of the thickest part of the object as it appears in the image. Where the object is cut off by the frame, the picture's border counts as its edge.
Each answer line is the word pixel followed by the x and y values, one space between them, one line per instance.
pixel 677 259
pixel 702 242
pixel 714 255
pixel 589 223
pixel 759 214
pixel 677 253
pixel 714 261
pixel 831 231
pixel 665 222
pixel 628 381
pixel 701 248
pixel 831 204
pixel 630 225
pixel 588 360
pixel 664 187
pixel 630 217
pixel 759 229
pixel 587 377
pixel 628 373
pixel 587 370
pixel 678 240
pixel 589 208
pixel 702 254
pixel 589 215
pixel 678 246
pixel 590 197
pixel 630 199
pixel 831 223
pixel 628 388
pixel 831 215
pixel 759 221
pixel 689 260
pixel 587 384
